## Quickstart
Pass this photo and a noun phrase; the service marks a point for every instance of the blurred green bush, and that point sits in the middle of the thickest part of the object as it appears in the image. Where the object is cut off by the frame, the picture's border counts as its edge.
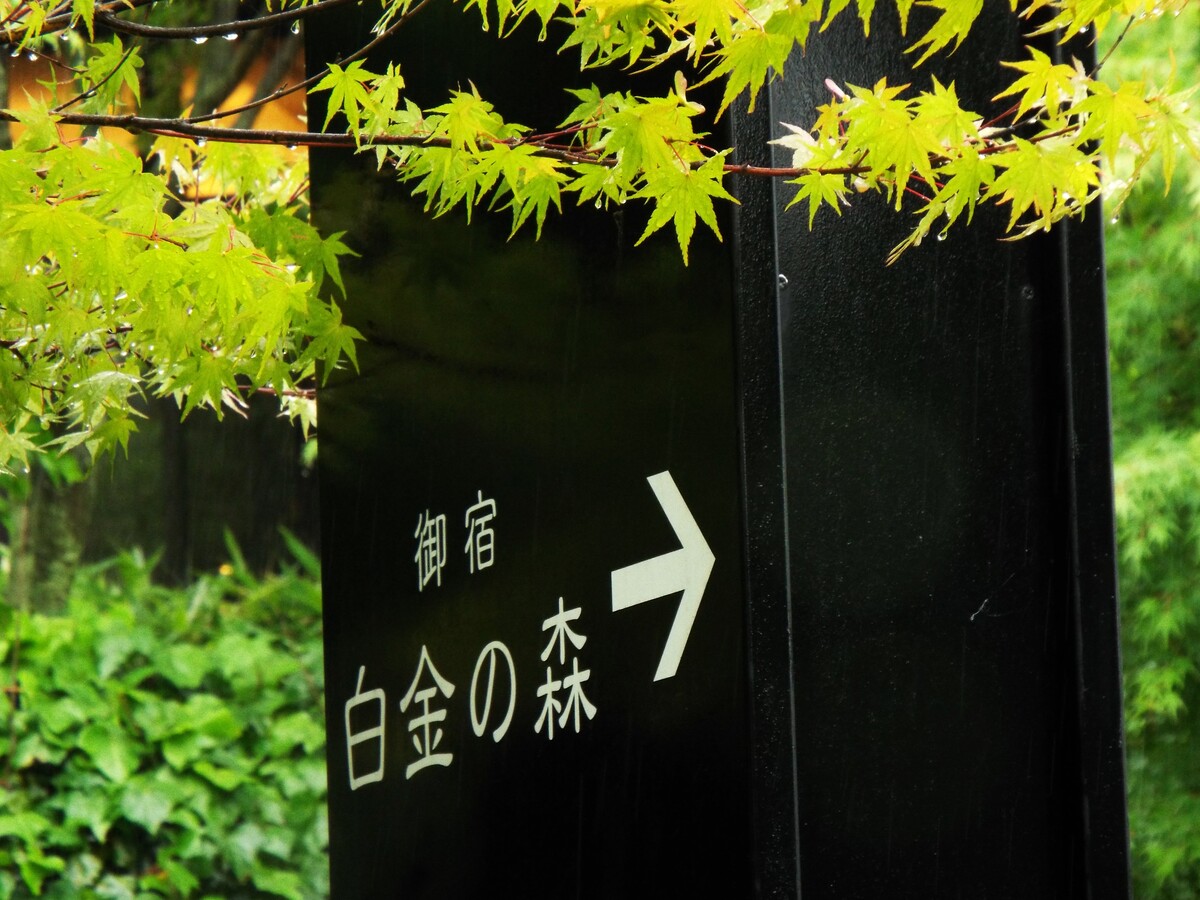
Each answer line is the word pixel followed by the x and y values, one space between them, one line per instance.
pixel 166 743
pixel 1154 324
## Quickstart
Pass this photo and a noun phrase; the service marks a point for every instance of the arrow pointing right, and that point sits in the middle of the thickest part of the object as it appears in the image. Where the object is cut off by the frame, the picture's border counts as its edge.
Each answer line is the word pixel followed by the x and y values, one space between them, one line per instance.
pixel 686 569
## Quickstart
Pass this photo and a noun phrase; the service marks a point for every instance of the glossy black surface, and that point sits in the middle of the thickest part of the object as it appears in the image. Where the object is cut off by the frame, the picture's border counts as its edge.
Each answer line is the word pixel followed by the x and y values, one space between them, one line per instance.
pixel 903 679
pixel 935 459
pixel 554 377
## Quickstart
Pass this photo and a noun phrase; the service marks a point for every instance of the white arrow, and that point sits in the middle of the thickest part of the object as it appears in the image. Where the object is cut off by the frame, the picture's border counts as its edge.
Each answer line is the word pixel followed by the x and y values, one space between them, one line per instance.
pixel 686 569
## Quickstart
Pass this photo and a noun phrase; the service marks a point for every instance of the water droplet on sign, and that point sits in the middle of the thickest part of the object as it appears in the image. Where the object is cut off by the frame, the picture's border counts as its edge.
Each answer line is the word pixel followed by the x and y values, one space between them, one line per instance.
pixel 783 280
pixel 200 39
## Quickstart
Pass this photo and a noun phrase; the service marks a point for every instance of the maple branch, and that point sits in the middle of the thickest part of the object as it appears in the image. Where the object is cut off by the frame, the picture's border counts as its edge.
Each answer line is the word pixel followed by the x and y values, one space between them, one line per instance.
pixel 309 82
pixel 221 29
pixel 91 92
pixel 186 128
pixel 15 34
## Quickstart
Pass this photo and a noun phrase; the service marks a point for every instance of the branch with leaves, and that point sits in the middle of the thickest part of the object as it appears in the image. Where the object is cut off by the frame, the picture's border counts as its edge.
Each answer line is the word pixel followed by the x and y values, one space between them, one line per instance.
pixel 190 270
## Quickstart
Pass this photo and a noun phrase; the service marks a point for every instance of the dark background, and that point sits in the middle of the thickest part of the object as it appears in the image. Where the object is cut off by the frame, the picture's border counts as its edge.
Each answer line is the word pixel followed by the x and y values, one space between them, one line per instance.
pixel 555 376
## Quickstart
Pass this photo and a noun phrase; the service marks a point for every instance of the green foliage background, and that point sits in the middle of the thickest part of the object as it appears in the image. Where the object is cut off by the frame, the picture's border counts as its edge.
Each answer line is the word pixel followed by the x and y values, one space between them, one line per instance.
pixel 1154 308
pixel 166 743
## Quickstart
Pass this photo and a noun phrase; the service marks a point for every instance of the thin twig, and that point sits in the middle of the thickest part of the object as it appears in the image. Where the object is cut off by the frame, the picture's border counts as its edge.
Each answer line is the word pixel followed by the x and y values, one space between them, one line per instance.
pixel 191 32
pixel 91 92
pixel 1117 43
pixel 309 82
pixel 51 24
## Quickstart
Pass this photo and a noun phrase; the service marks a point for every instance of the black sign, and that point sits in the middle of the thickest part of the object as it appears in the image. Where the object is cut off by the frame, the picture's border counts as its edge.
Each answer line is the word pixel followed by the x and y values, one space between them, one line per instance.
pixel 536 656
pixel 785 572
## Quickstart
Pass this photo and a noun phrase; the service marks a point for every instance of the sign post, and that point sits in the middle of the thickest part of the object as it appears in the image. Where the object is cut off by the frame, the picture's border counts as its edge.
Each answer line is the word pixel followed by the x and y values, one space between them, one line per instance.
pixel 784 573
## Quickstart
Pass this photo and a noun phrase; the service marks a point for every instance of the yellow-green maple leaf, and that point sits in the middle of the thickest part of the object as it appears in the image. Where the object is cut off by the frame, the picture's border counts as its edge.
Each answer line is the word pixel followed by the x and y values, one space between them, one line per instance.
pixel 1049 177
pixel 955 21
pixel 680 195
pixel 1113 116
pixel 1045 83
pixel 881 128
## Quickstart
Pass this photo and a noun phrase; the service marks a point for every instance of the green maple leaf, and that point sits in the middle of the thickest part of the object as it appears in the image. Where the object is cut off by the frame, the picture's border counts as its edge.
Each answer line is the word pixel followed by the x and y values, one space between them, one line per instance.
pixel 1172 129
pixel 819 188
pixel 955 21
pixel 348 93
pixel 643 133
pixel 865 9
pixel 680 195
pixel 891 139
pixel 329 340
pixel 535 183
pixel 1044 84
pixel 1113 116
pixel 968 175
pixel 708 19
pixel 86 11
pixel 467 119
pixel 747 61
pixel 1047 177
pixel 945 119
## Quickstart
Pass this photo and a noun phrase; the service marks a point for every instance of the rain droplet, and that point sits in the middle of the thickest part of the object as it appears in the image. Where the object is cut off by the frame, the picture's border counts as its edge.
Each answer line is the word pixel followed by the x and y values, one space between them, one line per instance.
pixel 200 39
pixel 200 142
pixel 15 53
pixel 1114 220
pixel 232 36
pixel 1083 30
pixel 783 280
pixel 295 29
pixel 31 56
pixel 941 236
pixel 291 146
